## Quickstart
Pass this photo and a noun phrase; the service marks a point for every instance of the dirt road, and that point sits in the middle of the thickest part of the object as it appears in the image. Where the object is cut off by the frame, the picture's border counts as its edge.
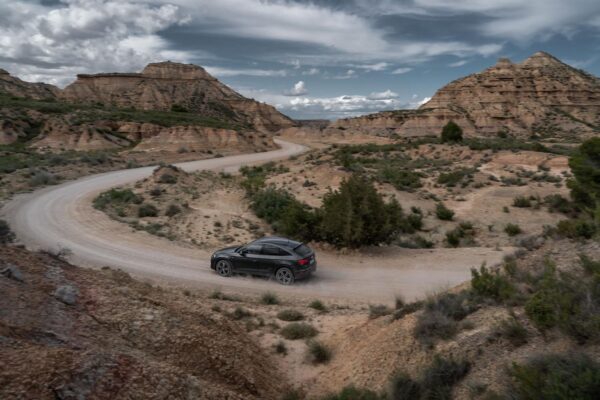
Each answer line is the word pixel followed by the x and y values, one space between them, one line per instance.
pixel 62 217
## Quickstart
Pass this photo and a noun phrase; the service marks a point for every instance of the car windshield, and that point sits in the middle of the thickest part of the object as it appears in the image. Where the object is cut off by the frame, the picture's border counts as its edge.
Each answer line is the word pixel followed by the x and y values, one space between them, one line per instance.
pixel 303 250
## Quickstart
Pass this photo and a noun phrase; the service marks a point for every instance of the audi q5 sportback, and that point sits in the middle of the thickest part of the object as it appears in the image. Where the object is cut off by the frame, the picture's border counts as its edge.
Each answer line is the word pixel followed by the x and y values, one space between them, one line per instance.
pixel 284 259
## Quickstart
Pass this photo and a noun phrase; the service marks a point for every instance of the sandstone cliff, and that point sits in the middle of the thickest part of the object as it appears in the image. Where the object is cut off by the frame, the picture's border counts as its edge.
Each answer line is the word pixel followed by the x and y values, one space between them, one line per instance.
pixel 16 87
pixel 173 86
pixel 540 96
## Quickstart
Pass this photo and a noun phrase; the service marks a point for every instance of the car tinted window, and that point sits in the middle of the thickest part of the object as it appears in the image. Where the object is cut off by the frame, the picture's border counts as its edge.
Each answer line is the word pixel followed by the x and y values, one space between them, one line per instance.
pixel 270 250
pixel 303 250
pixel 254 249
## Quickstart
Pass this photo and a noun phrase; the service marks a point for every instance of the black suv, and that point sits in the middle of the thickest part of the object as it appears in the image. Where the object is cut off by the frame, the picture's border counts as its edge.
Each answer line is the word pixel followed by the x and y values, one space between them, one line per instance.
pixel 285 259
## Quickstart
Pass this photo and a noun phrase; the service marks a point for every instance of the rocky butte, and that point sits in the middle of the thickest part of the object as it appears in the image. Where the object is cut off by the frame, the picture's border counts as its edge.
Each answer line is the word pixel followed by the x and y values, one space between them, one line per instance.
pixel 170 86
pixel 541 96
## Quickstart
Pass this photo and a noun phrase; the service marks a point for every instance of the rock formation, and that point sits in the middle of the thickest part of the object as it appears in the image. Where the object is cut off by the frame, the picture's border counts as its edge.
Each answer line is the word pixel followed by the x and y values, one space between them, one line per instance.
pixel 172 86
pixel 16 87
pixel 541 96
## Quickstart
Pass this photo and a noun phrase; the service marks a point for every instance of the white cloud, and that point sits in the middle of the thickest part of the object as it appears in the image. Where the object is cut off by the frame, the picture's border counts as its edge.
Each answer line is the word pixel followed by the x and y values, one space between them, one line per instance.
pixel 312 71
pixel 388 94
pixel 402 70
pixel 458 63
pixel 350 74
pixel 299 89
pixel 83 36
pixel 226 72
pixel 381 66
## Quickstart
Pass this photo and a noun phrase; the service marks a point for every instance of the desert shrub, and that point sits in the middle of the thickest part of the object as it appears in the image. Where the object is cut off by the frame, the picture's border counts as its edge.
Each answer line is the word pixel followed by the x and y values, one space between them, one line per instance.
pixel 440 377
pixel 6 235
pixel 521 202
pixel 42 178
pixel 269 298
pixel 401 387
pixel 401 179
pixel 298 330
pixel 512 229
pixel 318 353
pixel 513 330
pixel 576 228
pixel 493 285
pixel 147 210
pixel 443 212
pixel 557 203
pixel 453 178
pixel 452 239
pixel 298 221
pixel 439 319
pixel 290 315
pixel 172 210
pixel 168 179
pixel 280 347
pixel 317 305
pixel 554 376
pixel 451 133
pixel 116 197
pixel 406 309
pixel 240 313
pixel 567 302
pixel 379 310
pixel 356 215
pixel 178 108
pixel 585 166
pixel 271 203
pixel 591 267
pixel 218 295
pixel 353 393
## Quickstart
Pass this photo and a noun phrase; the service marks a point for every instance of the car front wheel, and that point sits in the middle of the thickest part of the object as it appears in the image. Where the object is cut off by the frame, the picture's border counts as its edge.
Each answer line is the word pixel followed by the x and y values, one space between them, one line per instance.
pixel 285 276
pixel 223 268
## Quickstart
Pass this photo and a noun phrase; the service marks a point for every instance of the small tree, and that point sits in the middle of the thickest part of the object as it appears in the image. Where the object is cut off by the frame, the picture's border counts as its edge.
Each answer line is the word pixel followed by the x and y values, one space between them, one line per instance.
pixel 452 133
pixel 585 189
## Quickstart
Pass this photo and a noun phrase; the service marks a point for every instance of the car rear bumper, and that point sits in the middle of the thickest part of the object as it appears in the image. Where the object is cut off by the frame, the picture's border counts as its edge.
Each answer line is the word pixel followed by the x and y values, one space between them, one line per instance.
pixel 305 273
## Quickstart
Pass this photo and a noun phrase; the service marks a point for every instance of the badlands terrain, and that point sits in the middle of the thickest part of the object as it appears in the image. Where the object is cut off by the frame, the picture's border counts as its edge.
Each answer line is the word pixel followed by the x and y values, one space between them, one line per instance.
pixel 487 289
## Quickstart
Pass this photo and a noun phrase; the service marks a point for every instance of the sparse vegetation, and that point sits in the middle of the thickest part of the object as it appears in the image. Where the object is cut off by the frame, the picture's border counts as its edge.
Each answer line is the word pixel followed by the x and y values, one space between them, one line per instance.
pixel 452 133
pixel 439 319
pixel 298 330
pixel 269 298
pixel 147 210
pixel 116 197
pixel 444 213
pixel 521 202
pixel 512 229
pixel 513 331
pixel 290 315
pixel 379 310
pixel 172 210
pixel 317 305
pixel 318 353
pixel 555 376
pixel 491 284
pixel 6 235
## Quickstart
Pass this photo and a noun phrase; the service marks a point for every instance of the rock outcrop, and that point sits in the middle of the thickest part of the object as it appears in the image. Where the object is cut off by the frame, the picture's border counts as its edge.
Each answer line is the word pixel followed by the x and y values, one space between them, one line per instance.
pixel 16 87
pixel 541 96
pixel 172 86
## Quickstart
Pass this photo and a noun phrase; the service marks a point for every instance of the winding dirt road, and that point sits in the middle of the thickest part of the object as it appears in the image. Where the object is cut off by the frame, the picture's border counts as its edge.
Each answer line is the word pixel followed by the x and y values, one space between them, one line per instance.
pixel 62 217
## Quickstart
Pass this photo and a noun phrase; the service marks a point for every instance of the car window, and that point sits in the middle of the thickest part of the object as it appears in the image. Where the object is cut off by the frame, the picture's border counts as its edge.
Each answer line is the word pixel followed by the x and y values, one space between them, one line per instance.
pixel 270 250
pixel 303 250
pixel 254 249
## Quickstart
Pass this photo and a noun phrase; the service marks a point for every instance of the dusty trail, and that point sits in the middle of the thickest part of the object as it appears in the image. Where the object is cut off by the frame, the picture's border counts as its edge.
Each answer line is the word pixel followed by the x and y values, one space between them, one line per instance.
pixel 62 216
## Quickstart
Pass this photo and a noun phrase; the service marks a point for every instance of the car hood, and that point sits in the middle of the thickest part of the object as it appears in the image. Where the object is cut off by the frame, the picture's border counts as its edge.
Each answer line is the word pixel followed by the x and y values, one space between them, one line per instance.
pixel 228 250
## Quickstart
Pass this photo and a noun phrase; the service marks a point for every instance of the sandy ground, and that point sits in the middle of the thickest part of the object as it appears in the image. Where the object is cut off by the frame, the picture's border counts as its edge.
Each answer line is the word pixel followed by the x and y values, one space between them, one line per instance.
pixel 62 217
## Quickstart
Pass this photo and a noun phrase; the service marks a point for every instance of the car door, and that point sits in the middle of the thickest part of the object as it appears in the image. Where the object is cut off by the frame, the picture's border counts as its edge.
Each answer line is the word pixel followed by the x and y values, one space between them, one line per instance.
pixel 248 258
pixel 271 258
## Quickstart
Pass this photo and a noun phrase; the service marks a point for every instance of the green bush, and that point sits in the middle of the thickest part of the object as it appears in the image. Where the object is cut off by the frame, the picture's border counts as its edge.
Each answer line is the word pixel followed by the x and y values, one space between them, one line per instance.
pixel 513 331
pixel 576 228
pixel 401 387
pixel 116 197
pixel 147 210
pixel 298 330
pixel 440 377
pixel 356 215
pixel 512 229
pixel 318 353
pixel 168 179
pixel 453 178
pixel 317 305
pixel 270 204
pixel 452 133
pixel 6 235
pixel 379 310
pixel 443 212
pixel 521 202
pixel 269 298
pixel 290 315
pixel 439 319
pixel 42 178
pixel 555 376
pixel 172 210
pixel 491 285
pixel 240 313
pixel 401 179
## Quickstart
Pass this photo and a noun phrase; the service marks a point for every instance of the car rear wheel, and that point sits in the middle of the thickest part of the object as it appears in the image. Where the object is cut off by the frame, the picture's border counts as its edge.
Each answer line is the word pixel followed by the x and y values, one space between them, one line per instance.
pixel 285 276
pixel 223 268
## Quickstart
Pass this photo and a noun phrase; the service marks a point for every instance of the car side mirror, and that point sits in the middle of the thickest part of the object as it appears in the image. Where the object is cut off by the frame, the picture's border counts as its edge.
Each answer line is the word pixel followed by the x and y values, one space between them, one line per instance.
pixel 244 252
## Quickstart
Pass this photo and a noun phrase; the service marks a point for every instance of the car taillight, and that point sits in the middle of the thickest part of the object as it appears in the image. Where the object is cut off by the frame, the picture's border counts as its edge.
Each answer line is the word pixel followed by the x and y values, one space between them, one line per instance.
pixel 304 261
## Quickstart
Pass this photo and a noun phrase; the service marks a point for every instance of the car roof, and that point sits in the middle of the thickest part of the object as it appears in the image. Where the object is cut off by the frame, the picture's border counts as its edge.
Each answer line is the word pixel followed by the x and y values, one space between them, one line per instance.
pixel 279 241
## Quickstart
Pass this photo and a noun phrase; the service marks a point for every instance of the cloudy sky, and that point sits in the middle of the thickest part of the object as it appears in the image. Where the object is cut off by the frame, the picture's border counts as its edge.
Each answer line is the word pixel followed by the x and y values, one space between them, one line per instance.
pixel 311 59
